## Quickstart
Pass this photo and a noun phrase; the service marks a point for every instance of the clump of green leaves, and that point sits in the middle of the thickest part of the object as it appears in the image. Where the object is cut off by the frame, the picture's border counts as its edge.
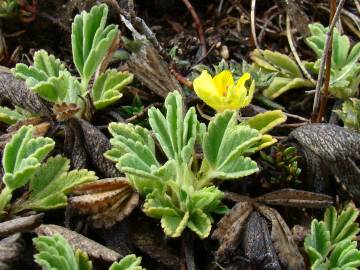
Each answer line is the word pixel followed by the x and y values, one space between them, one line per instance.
pixel 345 67
pixel 350 113
pixel 8 8
pixel 287 74
pixel 92 44
pixel 49 182
pixel 178 191
pixel 281 164
pixel 331 244
pixel 55 253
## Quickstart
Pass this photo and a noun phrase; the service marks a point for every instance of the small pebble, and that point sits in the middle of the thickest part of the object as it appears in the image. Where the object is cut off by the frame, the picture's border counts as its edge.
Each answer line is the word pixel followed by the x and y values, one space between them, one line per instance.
pixel 224 52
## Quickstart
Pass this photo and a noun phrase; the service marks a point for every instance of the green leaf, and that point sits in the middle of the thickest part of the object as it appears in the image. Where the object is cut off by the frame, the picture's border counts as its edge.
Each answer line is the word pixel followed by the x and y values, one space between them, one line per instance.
pixel 330 245
pixel 345 256
pixel 174 132
pixel 91 41
pixel 64 88
pixel 82 260
pixel 49 78
pixel 345 227
pixel 224 146
pixel 23 155
pixel 174 225
pixel 344 78
pixel 129 262
pixel 9 116
pixel 199 223
pixel 281 85
pixel 52 182
pixel 318 242
pixel 108 86
pixel 54 253
pixel 282 62
pixel 266 121
pixel 45 66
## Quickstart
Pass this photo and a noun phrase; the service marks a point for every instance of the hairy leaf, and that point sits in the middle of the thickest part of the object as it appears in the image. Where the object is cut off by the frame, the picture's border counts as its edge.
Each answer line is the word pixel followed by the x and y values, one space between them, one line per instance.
pixel 129 262
pixel 266 121
pixel 22 157
pixel 45 66
pixel 52 182
pixel 224 145
pixel 54 253
pixel 108 86
pixel 91 40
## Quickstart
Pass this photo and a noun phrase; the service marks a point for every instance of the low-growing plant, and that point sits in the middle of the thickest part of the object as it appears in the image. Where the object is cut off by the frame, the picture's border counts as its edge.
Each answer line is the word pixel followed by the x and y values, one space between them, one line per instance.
pixel 55 253
pixel 332 244
pixel 179 191
pixel 93 44
pixel 345 67
pixel 350 113
pixel 49 182
pixel 8 8
pixel 287 76
pixel 281 165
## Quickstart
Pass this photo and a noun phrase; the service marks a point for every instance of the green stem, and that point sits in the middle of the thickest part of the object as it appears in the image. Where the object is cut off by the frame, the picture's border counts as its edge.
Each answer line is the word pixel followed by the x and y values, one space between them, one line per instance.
pixel 5 198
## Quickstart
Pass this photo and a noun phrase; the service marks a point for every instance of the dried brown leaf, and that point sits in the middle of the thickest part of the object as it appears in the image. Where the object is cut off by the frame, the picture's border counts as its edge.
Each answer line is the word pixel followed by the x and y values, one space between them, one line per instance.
pixel 229 228
pixel 334 150
pixel 20 224
pixel 65 111
pixel 74 147
pixel 10 251
pixel 152 71
pixel 284 244
pixel 78 241
pixel 296 198
pixel 107 201
pixel 96 144
pixel 258 245
pixel 18 94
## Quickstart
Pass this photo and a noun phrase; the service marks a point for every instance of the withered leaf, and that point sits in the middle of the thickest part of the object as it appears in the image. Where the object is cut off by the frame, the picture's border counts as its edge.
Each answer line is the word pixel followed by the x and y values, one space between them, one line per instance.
pixel 152 71
pixel 78 241
pixel 229 228
pixel 296 198
pixel 18 94
pixel 96 144
pixel 10 251
pixel 107 201
pixel 333 149
pixel 20 224
pixel 257 244
pixel 65 111
pixel 283 242
pixel 73 146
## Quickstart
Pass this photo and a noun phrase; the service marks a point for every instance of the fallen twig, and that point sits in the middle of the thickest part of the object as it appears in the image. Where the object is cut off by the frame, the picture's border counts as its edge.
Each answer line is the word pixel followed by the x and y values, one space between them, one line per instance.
pixel 294 52
pixel 198 26
pixel 253 29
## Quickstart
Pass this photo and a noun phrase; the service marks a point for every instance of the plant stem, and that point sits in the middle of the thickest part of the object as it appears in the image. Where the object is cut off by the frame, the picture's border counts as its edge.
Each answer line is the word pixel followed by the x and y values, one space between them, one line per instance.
pixel 323 60
pixel 324 97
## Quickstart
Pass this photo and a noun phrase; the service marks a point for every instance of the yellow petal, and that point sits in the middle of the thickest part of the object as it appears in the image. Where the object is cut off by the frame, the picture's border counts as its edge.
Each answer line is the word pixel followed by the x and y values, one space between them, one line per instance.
pixel 205 88
pixel 223 81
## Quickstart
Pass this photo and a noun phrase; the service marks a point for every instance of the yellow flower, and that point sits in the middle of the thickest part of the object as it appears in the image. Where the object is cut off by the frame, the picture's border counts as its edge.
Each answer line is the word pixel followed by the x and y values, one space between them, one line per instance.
pixel 221 93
